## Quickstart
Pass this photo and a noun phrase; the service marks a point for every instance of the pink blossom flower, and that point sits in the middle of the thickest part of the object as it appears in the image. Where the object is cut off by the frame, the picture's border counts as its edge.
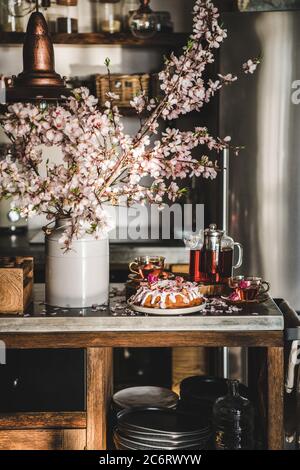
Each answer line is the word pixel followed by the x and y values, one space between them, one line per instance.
pixel 251 65
pixel 152 278
pixel 244 284
pixel 138 103
pixel 234 297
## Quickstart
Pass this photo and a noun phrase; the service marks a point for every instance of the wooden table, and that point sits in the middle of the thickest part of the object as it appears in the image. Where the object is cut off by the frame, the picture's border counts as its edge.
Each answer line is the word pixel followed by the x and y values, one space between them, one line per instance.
pixel 99 331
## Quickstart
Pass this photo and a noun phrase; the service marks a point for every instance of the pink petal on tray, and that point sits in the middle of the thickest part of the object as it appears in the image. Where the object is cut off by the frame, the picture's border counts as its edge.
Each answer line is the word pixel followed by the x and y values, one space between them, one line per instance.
pixel 234 297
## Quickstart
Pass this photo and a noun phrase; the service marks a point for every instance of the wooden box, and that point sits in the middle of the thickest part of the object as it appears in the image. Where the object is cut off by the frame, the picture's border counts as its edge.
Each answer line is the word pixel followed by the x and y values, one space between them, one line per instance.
pixel 125 86
pixel 16 284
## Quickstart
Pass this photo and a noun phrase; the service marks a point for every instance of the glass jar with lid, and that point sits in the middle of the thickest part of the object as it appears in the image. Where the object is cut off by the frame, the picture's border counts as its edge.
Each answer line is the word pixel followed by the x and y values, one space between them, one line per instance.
pixel 67 19
pixel 13 15
pixel 48 10
pixel 144 21
pixel 129 7
pixel 109 20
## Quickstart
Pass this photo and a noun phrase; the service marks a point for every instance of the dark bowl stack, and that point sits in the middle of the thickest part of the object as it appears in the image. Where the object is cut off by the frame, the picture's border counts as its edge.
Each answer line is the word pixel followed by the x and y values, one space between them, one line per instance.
pixel 160 429
pixel 199 393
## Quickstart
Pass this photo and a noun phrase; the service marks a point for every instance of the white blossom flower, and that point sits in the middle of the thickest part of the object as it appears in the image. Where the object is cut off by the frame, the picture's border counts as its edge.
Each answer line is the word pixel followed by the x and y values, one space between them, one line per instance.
pixel 229 78
pixel 138 103
pixel 251 65
pixel 112 96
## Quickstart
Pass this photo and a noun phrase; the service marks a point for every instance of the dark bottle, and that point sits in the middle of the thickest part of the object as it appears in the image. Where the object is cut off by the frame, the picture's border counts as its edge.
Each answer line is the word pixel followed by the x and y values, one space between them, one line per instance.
pixel 233 417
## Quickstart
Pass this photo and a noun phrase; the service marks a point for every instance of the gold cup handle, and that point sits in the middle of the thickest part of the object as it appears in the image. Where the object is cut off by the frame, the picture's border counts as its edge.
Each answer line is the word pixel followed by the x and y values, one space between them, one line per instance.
pixel 134 268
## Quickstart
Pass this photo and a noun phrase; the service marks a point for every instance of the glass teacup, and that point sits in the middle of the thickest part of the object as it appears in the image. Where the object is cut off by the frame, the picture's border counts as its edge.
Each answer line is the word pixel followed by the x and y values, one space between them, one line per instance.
pixel 249 288
pixel 145 265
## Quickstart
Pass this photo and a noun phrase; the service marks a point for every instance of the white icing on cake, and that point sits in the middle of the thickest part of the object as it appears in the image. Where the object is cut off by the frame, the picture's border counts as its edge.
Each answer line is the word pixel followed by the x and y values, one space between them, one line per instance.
pixel 162 290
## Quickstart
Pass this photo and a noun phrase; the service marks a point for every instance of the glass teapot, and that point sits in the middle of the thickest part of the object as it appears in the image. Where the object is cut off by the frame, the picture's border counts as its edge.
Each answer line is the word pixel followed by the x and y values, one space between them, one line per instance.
pixel 211 256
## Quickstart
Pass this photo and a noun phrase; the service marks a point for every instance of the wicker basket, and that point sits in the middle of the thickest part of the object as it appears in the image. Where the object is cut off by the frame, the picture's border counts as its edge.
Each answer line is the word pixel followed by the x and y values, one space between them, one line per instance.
pixel 125 86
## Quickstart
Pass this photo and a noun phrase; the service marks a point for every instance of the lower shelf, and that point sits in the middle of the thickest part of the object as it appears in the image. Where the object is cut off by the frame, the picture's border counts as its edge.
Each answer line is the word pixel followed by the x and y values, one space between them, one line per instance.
pixel 41 439
pixel 43 431
pixel 44 420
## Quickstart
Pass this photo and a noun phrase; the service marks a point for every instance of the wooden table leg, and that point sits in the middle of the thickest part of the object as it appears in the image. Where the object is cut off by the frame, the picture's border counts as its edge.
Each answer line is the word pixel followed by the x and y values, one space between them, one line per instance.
pixel 275 361
pixel 99 389
pixel 257 383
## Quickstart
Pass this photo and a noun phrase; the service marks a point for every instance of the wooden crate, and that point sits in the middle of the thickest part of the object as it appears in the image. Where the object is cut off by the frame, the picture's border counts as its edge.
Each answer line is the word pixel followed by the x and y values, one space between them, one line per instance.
pixel 16 283
pixel 125 86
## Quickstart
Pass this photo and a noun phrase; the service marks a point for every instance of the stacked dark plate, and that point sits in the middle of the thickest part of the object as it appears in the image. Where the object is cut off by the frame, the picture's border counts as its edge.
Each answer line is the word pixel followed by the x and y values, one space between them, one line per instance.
pixel 160 428
pixel 146 396
pixel 137 397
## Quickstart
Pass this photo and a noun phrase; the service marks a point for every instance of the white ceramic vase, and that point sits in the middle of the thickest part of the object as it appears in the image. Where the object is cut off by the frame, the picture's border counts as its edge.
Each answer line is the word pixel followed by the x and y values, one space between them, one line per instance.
pixel 78 278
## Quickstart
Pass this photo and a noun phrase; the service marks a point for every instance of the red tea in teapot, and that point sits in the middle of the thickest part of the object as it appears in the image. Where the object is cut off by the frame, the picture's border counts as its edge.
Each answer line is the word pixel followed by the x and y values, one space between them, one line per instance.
pixel 211 267
pixel 211 259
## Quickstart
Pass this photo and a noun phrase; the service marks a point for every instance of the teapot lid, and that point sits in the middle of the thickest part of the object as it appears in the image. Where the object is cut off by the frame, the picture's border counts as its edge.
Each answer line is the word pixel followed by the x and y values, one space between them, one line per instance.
pixel 213 237
pixel 212 231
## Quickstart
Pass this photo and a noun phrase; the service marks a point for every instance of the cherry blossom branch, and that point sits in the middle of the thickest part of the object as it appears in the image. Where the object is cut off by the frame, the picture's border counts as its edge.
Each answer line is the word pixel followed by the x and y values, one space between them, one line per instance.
pixel 101 163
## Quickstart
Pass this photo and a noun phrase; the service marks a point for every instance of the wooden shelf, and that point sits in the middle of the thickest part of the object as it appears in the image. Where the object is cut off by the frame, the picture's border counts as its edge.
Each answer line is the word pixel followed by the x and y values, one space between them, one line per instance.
pixel 119 39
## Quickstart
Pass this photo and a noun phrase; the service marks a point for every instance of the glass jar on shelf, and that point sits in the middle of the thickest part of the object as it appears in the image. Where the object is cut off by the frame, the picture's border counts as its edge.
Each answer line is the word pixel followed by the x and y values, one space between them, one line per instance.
pixel 128 8
pixel 67 19
pixel 243 4
pixel 109 18
pixel 14 15
pixel 144 22
pixel 164 22
pixel 49 14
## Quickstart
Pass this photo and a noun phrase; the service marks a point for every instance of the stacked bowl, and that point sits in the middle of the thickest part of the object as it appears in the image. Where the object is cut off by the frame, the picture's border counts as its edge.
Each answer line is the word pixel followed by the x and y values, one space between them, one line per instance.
pixel 199 393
